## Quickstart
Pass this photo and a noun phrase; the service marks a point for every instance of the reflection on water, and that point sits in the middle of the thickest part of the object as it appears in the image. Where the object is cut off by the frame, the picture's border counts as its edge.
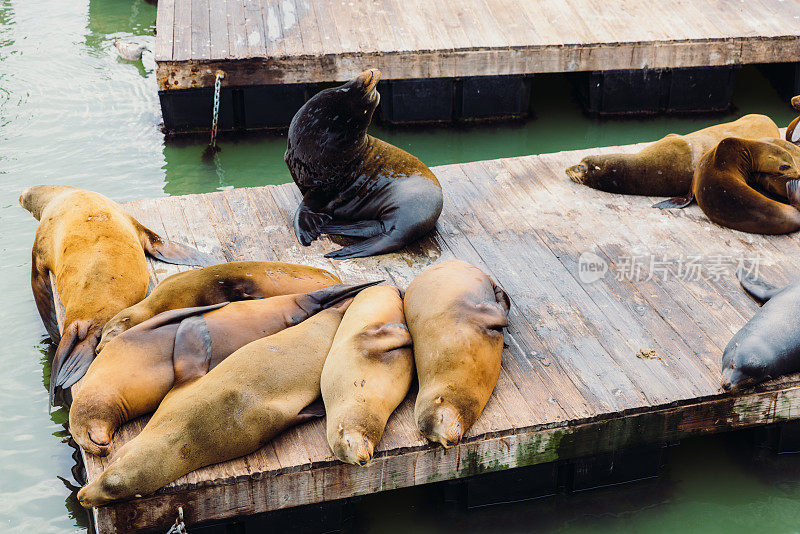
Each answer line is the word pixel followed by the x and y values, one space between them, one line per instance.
pixel 72 112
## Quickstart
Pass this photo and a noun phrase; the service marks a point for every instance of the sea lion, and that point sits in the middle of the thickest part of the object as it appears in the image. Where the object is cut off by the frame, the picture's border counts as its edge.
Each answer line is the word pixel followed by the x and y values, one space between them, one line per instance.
pixel 664 168
pixel 768 345
pixel 226 282
pixel 367 374
pixel 792 131
pixel 138 368
pixel 235 409
pixel 456 315
pixel 743 184
pixel 353 184
pixel 97 253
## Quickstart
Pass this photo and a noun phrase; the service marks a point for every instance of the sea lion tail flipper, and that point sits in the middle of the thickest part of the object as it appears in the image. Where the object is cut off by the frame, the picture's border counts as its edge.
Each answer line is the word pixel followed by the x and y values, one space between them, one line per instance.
pixel 45 301
pixel 171 316
pixel 191 357
pixel 171 251
pixel 363 229
pixel 73 356
pixel 676 202
pixel 501 296
pixel 328 296
pixel 758 288
pixel 379 244
pixel 793 193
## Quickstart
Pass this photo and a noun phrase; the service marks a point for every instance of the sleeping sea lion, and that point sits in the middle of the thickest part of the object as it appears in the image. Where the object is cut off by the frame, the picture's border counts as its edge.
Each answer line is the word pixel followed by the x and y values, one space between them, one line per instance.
pixel 792 131
pixel 744 183
pixel 768 345
pixel 138 368
pixel 367 374
pixel 665 167
pixel 456 315
pixel 226 282
pixel 353 184
pixel 97 253
pixel 235 409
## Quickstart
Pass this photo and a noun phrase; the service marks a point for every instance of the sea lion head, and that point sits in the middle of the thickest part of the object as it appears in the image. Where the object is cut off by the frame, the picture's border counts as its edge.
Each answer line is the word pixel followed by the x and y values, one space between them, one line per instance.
pixel 120 323
pixel 774 165
pixel 35 198
pixel 353 447
pixel 744 362
pixel 604 172
pixel 441 423
pixel 111 486
pixel 92 420
pixel 329 131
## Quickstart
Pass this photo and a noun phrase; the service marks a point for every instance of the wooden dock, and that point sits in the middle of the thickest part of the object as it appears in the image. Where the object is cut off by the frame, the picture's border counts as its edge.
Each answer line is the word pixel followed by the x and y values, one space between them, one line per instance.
pixel 632 358
pixel 277 43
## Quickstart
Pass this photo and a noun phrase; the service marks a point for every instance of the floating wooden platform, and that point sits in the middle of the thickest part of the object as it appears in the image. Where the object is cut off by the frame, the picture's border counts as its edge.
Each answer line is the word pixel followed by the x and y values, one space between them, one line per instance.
pixel 578 377
pixel 279 43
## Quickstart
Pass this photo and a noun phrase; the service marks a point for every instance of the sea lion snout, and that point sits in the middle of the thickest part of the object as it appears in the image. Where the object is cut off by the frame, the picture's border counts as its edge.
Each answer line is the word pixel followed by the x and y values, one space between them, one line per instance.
pixel 577 173
pixel 442 425
pixel 355 448
pixel 369 79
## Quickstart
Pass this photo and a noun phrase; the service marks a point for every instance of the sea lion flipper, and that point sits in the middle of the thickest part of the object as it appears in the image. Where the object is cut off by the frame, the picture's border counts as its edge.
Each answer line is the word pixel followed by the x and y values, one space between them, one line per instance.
pixel 363 229
pixel 171 316
pixel 793 193
pixel 380 244
pixel 307 224
pixel 73 356
pixel 758 288
pixel 676 202
pixel 191 357
pixel 315 410
pixel 45 301
pixel 171 251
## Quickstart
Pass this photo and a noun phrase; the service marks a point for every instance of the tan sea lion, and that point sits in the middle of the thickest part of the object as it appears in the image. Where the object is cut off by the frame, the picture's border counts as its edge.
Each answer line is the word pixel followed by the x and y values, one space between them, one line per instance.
pixel 97 253
pixel 235 409
pixel 743 184
pixel 792 131
pixel 367 374
pixel 353 184
pixel 138 368
pixel 225 282
pixel 664 168
pixel 456 315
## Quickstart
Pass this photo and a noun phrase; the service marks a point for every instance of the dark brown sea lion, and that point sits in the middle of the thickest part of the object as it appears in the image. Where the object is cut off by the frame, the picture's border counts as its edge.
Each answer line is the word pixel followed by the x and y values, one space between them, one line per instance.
pixel 226 282
pixel 138 368
pixel 367 374
pixel 665 167
pixel 456 315
pixel 744 183
pixel 353 184
pixel 792 131
pixel 97 253
pixel 235 409
pixel 768 345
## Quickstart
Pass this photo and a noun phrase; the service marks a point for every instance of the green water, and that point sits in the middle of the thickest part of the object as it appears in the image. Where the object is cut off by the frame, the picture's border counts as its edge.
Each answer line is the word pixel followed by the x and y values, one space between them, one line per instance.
pixel 72 113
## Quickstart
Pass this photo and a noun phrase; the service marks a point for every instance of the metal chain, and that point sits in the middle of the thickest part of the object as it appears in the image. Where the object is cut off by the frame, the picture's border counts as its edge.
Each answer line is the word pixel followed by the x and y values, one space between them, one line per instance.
pixel 215 117
pixel 178 527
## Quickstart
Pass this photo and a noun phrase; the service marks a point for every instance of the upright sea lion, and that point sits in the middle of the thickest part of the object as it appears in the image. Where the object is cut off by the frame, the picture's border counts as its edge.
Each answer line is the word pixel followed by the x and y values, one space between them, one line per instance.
pixel 225 282
pixel 367 374
pixel 792 131
pixel 138 368
pixel 97 253
pixel 768 345
pixel 456 315
pixel 743 183
pixel 353 184
pixel 235 409
pixel 665 167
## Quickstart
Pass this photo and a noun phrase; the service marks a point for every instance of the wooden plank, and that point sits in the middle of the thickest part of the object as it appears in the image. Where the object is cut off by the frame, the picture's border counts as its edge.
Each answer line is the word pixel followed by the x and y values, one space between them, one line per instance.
pixel 237 40
pixel 165 19
pixel 182 31
pixel 218 28
pixel 201 30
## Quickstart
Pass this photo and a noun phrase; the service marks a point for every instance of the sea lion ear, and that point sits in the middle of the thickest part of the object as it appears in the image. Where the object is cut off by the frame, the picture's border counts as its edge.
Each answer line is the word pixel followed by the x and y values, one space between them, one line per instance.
pixel 501 296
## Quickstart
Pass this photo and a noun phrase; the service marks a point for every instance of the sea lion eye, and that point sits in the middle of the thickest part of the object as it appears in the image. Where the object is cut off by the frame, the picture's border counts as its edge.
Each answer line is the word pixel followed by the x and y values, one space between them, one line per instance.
pixel 784 167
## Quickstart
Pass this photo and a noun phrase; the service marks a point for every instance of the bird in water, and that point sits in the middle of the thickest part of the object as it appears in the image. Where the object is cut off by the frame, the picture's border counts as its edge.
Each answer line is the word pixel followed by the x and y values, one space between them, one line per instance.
pixel 129 52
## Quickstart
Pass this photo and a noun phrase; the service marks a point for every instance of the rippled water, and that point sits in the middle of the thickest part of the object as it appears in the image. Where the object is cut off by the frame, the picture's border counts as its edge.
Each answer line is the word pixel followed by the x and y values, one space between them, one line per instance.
pixel 72 112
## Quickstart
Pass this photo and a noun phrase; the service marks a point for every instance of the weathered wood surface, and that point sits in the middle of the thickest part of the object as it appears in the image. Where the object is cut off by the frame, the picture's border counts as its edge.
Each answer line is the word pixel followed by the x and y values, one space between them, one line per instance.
pixel 571 383
pixel 301 41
